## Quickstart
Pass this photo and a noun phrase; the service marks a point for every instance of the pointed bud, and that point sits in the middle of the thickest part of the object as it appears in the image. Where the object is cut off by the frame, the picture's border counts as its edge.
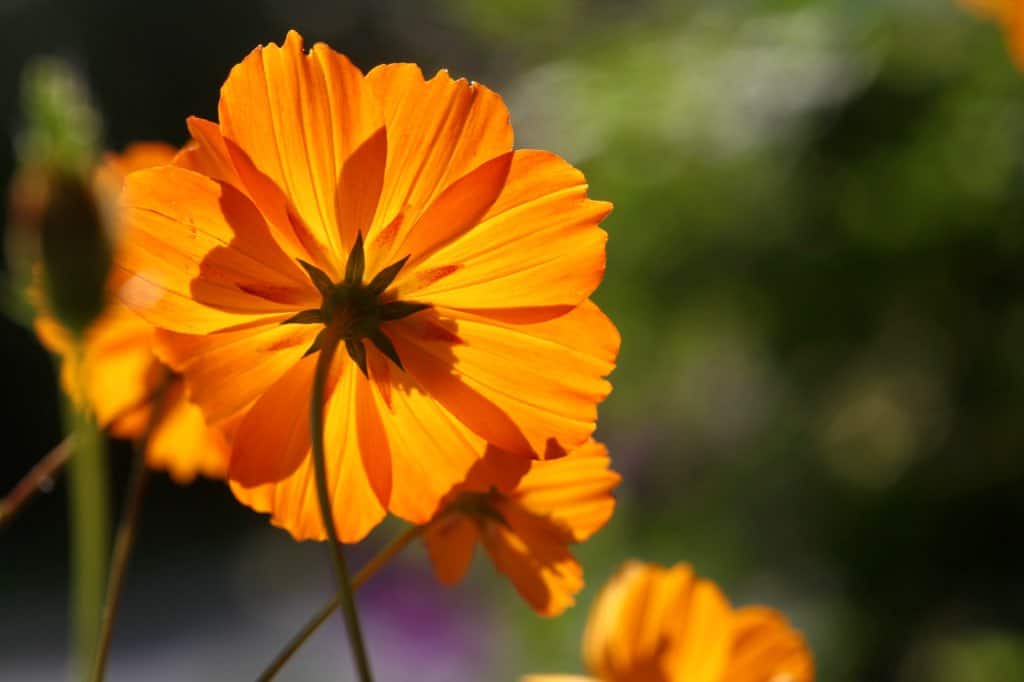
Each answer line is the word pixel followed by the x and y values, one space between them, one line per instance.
pixel 76 252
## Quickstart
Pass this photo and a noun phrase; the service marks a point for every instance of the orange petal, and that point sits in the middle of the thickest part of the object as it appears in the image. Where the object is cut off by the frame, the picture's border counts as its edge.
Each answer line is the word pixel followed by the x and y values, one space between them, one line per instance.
pixel 539 244
pixel 438 131
pixel 254 358
pixel 574 491
pixel 183 444
pixel 117 371
pixel 457 209
pixel 186 267
pixel 766 647
pixel 450 543
pixel 534 554
pixel 207 153
pixel 294 119
pixel 350 423
pixel 274 436
pixel 558 678
pixel 651 624
pixel 531 389
pixel 430 450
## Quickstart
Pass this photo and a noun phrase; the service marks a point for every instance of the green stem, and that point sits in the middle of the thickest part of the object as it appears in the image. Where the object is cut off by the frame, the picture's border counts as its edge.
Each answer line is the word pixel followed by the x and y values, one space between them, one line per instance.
pixel 126 532
pixel 345 590
pixel 89 511
pixel 314 623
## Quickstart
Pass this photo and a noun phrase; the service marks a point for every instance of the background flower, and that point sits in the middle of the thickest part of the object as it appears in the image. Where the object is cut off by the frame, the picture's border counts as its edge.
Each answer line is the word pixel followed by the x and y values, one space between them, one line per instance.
pixel 117 374
pixel 526 515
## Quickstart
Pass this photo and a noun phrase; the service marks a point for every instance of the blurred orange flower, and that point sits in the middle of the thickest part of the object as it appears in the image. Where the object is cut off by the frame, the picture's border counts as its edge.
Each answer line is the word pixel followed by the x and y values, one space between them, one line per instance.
pixel 116 373
pixel 654 624
pixel 392 207
pixel 1009 13
pixel 526 514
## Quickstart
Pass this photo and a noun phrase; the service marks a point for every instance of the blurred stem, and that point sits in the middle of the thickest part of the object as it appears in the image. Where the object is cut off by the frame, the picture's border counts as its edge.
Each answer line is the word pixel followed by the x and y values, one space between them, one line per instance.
pixel 314 623
pixel 126 531
pixel 89 510
pixel 345 590
pixel 44 470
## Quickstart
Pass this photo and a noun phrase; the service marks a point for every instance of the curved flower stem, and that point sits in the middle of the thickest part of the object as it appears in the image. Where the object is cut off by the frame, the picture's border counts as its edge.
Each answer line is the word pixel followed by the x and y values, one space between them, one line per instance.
pixel 314 623
pixel 346 593
pixel 126 532
pixel 44 470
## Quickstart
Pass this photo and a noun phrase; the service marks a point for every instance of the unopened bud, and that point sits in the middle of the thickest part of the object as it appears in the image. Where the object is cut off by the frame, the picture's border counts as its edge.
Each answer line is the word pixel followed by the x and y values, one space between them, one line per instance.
pixel 76 252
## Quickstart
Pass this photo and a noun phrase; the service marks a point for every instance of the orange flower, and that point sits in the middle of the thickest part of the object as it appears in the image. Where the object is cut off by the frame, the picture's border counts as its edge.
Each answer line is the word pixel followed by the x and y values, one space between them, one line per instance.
pixel 1009 13
pixel 116 373
pixel 652 624
pixel 392 207
pixel 526 514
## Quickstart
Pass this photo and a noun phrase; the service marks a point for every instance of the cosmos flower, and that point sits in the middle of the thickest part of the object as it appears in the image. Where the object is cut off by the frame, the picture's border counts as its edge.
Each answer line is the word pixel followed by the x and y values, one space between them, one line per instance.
pixel 526 514
pixel 1010 14
pixel 117 375
pixel 654 624
pixel 393 209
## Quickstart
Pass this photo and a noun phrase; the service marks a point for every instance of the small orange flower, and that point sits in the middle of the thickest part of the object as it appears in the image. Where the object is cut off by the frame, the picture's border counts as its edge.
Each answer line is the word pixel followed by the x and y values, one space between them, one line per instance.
pixel 116 373
pixel 392 207
pixel 652 624
pixel 1009 13
pixel 526 514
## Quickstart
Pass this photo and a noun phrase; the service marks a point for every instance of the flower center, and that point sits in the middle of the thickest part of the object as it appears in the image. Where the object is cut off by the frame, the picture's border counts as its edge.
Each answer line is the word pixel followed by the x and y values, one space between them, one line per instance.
pixel 353 310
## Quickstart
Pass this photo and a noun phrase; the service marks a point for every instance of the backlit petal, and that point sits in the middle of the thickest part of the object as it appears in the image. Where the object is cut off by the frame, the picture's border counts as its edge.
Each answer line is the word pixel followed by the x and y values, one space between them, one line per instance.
pixel 274 436
pixel 539 244
pixel 294 119
pixel 430 449
pixel 117 371
pixel 767 649
pixel 438 131
pixel 534 555
pixel 181 443
pixel 355 498
pixel 207 153
pixel 573 491
pixel 253 358
pixel 531 389
pixel 450 542
pixel 651 624
pixel 199 257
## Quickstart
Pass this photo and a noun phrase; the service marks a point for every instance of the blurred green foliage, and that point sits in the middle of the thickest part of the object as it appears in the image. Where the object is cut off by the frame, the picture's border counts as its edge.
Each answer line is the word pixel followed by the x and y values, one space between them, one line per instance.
pixel 815 265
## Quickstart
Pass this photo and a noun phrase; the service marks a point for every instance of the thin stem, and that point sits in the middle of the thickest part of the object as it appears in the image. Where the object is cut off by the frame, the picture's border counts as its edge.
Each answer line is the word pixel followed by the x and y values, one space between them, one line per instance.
pixel 43 471
pixel 126 532
pixel 346 592
pixel 314 623
pixel 89 518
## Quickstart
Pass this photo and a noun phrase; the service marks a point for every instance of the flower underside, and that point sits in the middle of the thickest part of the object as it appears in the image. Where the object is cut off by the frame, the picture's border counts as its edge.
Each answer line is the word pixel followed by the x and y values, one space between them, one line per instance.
pixel 355 311
pixel 480 506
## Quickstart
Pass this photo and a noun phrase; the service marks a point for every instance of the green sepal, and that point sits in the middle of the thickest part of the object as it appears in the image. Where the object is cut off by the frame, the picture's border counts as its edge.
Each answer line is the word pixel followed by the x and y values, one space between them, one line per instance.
pixel 396 310
pixel 357 351
pixel 385 277
pixel 317 343
pixel 384 345
pixel 356 262
pixel 319 278
pixel 310 316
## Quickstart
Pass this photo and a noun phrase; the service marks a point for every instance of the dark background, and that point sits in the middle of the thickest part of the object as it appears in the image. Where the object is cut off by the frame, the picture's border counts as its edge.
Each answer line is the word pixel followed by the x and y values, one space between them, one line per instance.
pixel 815 263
